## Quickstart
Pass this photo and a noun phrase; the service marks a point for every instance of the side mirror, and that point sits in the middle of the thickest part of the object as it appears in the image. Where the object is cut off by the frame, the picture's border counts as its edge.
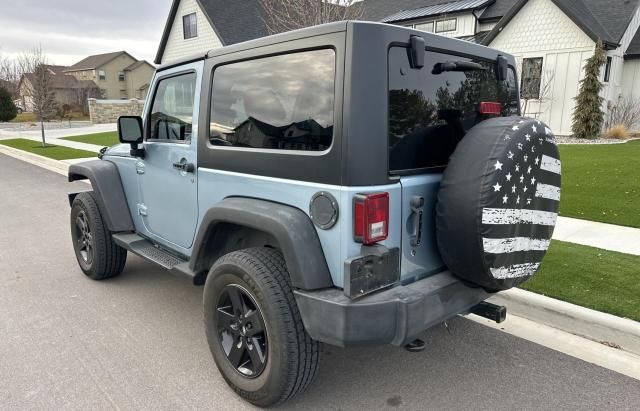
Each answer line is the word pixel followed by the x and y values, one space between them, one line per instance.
pixel 130 131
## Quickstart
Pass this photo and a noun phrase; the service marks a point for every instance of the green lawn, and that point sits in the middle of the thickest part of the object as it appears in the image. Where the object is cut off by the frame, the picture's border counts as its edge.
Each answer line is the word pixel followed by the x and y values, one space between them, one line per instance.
pixel 101 139
pixel 51 151
pixel 591 277
pixel 601 182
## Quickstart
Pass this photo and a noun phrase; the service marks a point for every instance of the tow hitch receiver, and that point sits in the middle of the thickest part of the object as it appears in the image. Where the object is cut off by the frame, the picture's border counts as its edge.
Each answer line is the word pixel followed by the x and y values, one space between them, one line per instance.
pixel 497 313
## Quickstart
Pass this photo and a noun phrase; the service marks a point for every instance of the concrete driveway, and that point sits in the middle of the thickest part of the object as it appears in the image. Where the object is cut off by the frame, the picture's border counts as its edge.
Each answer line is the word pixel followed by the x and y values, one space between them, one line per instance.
pixel 137 341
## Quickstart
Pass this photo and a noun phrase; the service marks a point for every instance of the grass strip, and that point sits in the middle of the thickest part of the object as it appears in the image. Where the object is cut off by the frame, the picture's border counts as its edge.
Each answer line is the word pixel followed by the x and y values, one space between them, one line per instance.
pixel 603 280
pixel 100 139
pixel 50 151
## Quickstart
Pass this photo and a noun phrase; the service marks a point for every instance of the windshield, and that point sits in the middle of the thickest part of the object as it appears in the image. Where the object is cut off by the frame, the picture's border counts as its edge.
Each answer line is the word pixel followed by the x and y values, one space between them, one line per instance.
pixel 431 109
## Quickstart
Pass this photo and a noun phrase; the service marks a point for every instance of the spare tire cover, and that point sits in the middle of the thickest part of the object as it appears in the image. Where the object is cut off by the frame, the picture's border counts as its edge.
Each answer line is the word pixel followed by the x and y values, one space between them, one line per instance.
pixel 498 202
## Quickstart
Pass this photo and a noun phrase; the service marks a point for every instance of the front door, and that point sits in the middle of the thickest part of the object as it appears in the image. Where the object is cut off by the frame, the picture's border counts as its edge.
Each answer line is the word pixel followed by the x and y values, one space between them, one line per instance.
pixel 167 174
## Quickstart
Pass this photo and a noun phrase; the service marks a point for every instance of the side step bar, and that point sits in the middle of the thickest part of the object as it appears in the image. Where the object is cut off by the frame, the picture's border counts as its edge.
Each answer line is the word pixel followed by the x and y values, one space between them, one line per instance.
pixel 497 313
pixel 144 248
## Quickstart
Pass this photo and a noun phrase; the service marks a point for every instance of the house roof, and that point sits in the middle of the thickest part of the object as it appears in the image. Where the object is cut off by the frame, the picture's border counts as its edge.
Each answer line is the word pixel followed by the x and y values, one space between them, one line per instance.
pixel 497 10
pixel 137 64
pixel 633 51
pixel 438 9
pixel 604 20
pixel 62 80
pixel 97 60
pixel 244 20
pixel 476 38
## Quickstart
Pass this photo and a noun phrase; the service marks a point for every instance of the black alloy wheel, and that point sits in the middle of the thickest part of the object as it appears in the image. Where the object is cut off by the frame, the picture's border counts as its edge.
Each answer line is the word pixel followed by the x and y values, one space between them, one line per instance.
pixel 242 331
pixel 254 329
pixel 84 238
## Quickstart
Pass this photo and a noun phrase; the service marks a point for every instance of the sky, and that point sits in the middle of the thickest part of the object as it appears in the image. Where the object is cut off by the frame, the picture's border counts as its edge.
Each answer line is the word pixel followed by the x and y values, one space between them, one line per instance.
pixel 70 30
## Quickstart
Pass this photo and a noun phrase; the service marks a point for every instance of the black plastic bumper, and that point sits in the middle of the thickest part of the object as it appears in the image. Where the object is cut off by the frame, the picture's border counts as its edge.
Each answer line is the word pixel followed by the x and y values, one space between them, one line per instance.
pixel 394 316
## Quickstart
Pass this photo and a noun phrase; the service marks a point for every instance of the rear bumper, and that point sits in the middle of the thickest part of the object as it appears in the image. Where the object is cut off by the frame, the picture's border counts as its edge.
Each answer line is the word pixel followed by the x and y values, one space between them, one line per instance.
pixel 394 316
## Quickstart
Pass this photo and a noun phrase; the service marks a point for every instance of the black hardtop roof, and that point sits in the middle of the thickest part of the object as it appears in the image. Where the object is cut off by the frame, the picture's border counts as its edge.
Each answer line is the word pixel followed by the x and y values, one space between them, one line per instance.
pixel 307 32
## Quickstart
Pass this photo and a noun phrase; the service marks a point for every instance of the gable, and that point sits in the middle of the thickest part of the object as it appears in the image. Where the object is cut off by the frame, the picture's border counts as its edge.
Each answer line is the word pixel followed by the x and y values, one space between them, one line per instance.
pixel 604 20
pixel 174 46
pixel 538 26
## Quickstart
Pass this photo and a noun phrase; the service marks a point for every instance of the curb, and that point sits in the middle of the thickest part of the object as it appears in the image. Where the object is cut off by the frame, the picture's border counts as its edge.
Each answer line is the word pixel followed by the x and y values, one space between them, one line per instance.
pixel 594 325
pixel 41 161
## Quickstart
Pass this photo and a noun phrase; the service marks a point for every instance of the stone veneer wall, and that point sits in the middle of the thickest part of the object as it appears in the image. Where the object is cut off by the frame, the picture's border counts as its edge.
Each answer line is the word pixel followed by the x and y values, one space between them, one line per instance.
pixel 108 111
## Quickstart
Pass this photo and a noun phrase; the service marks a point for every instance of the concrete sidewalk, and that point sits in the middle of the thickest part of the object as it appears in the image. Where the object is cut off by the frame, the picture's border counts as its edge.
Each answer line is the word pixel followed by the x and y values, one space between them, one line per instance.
pixel 606 236
pixel 58 133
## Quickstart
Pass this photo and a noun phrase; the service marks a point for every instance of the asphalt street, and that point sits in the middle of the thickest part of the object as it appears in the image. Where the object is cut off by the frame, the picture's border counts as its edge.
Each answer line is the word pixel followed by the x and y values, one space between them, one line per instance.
pixel 137 341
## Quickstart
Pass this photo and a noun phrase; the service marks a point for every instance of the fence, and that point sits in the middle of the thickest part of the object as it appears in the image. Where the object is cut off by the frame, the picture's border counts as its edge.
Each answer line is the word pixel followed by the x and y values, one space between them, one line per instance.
pixel 108 111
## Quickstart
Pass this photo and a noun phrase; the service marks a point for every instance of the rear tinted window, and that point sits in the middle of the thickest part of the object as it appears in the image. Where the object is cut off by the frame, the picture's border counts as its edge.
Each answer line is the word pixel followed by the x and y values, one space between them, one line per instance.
pixel 280 102
pixel 431 109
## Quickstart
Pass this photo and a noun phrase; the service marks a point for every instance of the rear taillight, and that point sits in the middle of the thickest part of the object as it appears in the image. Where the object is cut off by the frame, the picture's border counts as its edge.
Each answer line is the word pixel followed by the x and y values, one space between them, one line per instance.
pixel 490 108
pixel 371 218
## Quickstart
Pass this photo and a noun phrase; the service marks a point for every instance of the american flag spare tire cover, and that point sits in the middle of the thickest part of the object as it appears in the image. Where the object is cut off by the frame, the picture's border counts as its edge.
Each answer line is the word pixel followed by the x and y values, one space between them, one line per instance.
pixel 498 202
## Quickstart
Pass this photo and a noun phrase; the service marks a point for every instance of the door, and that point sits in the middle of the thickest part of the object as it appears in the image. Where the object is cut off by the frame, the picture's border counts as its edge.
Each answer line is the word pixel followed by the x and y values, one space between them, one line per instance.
pixel 430 111
pixel 167 174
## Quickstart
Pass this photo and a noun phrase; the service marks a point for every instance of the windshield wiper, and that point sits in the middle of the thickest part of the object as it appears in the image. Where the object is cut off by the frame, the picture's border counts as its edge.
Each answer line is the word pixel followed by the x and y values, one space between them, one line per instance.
pixel 439 68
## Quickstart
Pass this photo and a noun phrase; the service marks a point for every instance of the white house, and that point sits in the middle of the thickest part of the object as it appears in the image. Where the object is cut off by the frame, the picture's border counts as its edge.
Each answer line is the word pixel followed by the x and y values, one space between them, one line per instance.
pixel 551 39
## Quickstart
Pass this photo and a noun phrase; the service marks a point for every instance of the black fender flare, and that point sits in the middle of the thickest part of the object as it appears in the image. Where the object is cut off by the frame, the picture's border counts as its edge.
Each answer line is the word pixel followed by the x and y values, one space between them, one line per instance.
pixel 289 226
pixel 107 186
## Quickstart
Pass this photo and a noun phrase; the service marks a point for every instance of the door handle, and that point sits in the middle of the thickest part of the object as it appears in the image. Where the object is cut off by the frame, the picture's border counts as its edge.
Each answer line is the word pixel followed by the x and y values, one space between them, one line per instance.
pixel 183 166
pixel 416 204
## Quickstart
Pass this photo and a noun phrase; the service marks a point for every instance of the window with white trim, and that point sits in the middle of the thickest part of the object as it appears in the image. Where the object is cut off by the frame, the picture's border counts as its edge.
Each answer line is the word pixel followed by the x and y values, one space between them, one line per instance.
pixel 190 26
pixel 428 27
pixel 531 78
pixel 446 25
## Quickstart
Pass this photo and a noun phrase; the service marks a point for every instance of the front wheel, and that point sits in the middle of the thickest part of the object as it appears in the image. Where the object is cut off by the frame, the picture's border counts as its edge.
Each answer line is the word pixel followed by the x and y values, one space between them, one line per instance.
pixel 98 255
pixel 254 328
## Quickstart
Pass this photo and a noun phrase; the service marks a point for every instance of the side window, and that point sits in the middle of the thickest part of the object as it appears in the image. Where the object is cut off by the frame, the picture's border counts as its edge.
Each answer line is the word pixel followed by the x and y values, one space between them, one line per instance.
pixel 172 110
pixel 281 102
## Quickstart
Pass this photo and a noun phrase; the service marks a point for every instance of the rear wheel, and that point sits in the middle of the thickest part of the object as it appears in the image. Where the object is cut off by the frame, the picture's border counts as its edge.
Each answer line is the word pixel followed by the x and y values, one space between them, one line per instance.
pixel 98 255
pixel 254 329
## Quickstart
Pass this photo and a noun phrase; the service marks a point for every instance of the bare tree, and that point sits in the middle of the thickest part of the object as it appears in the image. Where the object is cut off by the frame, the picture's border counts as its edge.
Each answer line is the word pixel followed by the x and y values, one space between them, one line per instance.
pixel 37 85
pixel 625 111
pixel 540 92
pixel 287 15
pixel 82 92
pixel 10 74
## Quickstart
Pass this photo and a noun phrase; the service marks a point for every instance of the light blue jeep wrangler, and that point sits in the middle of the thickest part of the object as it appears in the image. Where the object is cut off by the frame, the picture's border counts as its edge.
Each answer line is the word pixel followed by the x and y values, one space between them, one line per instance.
pixel 353 183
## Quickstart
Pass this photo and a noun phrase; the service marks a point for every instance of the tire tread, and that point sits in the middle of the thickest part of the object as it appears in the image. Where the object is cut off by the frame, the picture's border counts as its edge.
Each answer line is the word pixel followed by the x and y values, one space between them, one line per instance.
pixel 109 258
pixel 304 352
